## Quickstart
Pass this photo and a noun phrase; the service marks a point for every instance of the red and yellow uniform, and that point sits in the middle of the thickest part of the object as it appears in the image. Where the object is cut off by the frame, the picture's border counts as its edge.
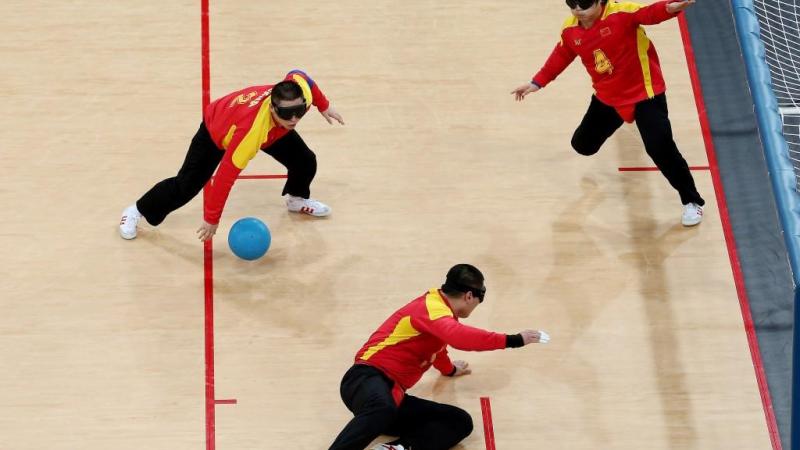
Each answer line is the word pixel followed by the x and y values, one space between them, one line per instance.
pixel 616 52
pixel 241 124
pixel 416 336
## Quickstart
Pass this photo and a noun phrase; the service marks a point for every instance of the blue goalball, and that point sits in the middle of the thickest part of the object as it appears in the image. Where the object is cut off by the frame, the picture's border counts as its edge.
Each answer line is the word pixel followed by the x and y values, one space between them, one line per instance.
pixel 249 238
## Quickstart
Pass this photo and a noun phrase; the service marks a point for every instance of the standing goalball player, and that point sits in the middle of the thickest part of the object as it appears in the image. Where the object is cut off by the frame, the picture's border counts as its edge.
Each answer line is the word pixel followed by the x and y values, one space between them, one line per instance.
pixel 623 64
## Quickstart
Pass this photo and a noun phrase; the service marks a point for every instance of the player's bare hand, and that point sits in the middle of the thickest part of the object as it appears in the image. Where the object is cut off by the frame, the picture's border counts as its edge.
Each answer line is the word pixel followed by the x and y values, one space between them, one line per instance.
pixel 525 89
pixel 534 337
pixel 331 114
pixel 678 6
pixel 206 231
pixel 462 368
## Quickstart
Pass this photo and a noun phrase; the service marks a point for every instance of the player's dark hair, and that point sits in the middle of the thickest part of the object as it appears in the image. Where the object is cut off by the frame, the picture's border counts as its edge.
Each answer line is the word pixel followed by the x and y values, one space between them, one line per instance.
pixel 462 278
pixel 584 4
pixel 286 90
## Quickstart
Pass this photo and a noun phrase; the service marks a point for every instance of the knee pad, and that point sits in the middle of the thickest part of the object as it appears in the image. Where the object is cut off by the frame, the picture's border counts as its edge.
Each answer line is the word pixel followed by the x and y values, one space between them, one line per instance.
pixel 582 148
pixel 312 162
pixel 309 164
pixel 464 421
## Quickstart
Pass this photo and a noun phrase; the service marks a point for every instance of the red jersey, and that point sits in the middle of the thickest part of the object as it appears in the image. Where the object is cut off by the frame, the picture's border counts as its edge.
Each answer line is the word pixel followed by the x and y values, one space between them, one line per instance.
pixel 417 335
pixel 241 124
pixel 616 52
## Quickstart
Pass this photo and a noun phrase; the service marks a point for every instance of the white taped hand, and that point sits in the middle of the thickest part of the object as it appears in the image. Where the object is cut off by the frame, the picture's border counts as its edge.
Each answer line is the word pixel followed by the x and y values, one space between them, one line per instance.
pixel 544 338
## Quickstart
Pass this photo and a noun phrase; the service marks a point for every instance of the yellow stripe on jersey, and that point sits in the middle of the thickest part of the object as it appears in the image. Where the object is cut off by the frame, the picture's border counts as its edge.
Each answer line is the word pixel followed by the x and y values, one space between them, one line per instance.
pixel 614 7
pixel 436 306
pixel 251 143
pixel 297 78
pixel 643 44
pixel 228 137
pixel 571 21
pixel 403 331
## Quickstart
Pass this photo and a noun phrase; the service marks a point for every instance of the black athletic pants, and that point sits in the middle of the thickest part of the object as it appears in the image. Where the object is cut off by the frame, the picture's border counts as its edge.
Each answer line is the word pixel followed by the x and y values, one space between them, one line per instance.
pixel 601 121
pixel 202 160
pixel 419 424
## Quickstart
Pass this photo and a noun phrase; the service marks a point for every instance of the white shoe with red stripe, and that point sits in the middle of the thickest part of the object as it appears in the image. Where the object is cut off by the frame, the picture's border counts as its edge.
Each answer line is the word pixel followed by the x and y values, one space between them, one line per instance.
pixel 388 447
pixel 692 214
pixel 307 206
pixel 127 224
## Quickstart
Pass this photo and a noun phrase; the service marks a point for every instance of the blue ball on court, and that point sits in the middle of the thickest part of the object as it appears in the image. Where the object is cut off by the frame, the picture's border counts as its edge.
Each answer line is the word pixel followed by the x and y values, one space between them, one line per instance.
pixel 249 238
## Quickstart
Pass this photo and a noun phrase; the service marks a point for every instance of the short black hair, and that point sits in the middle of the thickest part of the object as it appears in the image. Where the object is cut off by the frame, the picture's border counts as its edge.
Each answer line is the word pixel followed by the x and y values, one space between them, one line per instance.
pixel 286 90
pixel 462 277
pixel 584 4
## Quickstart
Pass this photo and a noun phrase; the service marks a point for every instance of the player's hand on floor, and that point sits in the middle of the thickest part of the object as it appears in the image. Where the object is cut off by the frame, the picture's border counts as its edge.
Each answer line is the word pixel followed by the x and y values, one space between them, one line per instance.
pixel 206 231
pixel 462 368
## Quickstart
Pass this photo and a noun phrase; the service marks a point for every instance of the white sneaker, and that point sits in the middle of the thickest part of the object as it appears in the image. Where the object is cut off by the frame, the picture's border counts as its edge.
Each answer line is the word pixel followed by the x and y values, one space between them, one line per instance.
pixel 388 447
pixel 692 214
pixel 127 224
pixel 307 206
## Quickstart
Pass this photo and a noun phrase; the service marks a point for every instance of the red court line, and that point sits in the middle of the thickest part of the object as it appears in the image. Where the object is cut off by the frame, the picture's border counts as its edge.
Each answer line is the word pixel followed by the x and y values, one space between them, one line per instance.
pixel 208 260
pixel 209 341
pixel 655 169
pixel 208 272
pixel 744 302
pixel 488 428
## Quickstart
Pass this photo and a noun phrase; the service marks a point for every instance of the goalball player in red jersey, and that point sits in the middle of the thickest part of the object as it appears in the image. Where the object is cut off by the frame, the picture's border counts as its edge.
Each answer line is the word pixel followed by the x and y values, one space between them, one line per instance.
pixel 406 345
pixel 234 128
pixel 626 76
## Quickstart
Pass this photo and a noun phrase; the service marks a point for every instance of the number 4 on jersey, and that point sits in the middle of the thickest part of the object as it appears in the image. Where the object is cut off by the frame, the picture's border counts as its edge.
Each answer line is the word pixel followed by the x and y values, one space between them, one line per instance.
pixel 601 62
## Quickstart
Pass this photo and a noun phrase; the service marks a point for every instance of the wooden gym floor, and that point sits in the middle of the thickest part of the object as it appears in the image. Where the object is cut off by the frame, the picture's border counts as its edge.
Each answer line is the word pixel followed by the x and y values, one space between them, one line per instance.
pixel 104 341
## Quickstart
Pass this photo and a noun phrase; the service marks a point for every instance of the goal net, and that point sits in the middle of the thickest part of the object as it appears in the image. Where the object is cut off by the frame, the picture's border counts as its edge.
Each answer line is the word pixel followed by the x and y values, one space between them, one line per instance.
pixel 779 23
